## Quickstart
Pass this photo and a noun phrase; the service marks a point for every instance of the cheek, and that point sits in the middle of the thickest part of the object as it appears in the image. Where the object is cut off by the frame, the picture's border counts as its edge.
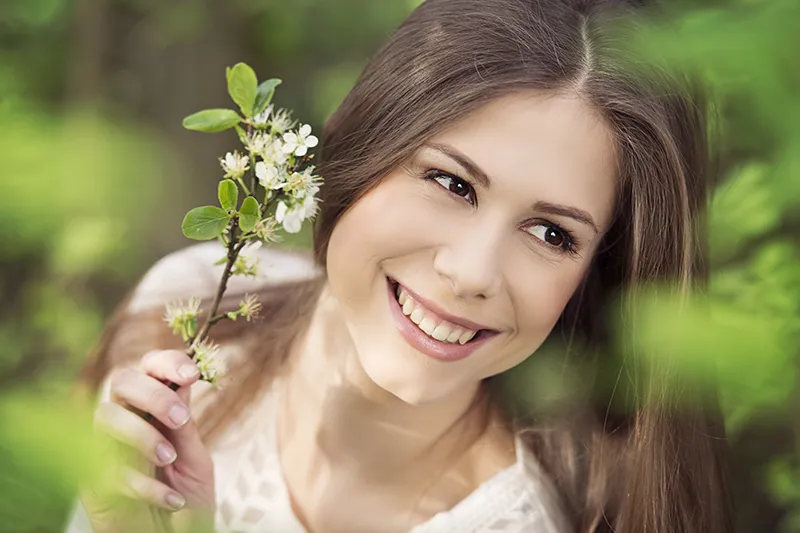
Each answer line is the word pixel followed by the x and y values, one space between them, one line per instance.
pixel 539 298
pixel 541 303
pixel 395 218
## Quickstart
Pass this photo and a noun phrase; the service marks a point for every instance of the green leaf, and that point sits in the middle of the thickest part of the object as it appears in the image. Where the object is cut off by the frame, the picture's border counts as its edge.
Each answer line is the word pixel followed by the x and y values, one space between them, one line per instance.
pixel 228 194
pixel 242 84
pixel 204 223
pixel 212 120
pixel 264 94
pixel 249 214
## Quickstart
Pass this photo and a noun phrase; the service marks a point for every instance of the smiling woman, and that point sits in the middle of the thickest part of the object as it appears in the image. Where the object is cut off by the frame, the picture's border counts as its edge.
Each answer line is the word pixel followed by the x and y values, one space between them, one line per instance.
pixel 495 179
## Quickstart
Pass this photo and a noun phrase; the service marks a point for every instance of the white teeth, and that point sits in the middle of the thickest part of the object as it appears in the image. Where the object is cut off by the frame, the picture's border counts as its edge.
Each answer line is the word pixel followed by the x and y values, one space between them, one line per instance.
pixel 427 325
pixel 431 325
pixel 441 332
pixel 454 335
pixel 466 337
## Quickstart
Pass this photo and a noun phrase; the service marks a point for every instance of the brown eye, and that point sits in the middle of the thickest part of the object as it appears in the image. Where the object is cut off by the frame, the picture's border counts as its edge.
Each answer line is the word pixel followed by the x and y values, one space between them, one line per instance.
pixel 454 185
pixel 552 236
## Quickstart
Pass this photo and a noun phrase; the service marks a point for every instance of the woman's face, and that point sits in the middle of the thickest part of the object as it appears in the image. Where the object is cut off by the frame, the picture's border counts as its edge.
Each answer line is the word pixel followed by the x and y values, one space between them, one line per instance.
pixel 459 263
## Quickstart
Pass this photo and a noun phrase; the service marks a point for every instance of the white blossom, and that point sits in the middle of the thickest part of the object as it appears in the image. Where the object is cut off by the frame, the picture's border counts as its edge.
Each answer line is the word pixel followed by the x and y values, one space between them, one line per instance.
pixel 267 230
pixel 269 176
pixel 207 361
pixel 299 143
pixel 301 184
pixel 258 142
pixel 290 218
pixel 309 207
pixel 262 118
pixel 182 318
pixel 235 164
pixel 249 307
pixel 251 248
pixel 281 121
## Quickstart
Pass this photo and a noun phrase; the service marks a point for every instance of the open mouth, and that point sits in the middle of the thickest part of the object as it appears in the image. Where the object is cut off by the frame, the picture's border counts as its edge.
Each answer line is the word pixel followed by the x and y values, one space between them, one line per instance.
pixel 443 330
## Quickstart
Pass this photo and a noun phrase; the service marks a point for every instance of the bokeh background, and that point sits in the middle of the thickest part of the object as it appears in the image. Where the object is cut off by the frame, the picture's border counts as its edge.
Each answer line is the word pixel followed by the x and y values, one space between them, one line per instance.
pixel 96 174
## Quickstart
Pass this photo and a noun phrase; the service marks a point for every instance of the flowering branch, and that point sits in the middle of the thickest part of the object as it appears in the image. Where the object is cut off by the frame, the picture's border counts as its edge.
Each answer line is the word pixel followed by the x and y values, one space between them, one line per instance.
pixel 276 159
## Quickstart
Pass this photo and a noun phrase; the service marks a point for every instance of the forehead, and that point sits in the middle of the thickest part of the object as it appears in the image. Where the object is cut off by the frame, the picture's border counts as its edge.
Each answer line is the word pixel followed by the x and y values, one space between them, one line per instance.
pixel 555 146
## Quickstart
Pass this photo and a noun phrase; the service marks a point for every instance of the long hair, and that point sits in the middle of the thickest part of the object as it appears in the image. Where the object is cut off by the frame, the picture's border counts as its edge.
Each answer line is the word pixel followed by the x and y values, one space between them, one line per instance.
pixel 660 467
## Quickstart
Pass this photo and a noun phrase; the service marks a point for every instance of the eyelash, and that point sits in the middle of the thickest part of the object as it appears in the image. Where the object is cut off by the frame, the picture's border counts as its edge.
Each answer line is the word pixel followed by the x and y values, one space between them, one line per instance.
pixel 569 244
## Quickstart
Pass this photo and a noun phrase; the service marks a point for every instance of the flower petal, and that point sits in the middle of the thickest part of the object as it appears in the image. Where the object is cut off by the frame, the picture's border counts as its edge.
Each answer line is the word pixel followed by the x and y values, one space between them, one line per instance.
pixel 261 171
pixel 280 211
pixel 292 224
pixel 301 150
pixel 304 130
pixel 312 141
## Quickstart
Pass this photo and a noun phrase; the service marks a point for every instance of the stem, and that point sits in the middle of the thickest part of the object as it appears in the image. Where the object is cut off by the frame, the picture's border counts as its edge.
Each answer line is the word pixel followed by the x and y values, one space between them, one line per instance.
pixel 218 318
pixel 252 163
pixel 244 187
pixel 234 247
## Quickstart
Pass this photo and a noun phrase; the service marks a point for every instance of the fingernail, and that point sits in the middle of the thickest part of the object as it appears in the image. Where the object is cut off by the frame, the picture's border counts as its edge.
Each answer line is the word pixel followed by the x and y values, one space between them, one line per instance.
pixel 166 454
pixel 188 371
pixel 178 414
pixel 175 501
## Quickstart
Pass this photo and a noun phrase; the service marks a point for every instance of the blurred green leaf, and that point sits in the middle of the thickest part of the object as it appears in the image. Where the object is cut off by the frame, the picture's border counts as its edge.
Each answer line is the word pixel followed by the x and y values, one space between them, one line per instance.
pixel 46 451
pixel 743 208
pixel 204 223
pixel 212 120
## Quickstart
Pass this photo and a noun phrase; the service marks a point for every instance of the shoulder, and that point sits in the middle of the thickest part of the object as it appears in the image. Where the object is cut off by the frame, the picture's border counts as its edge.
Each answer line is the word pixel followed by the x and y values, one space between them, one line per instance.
pixel 191 271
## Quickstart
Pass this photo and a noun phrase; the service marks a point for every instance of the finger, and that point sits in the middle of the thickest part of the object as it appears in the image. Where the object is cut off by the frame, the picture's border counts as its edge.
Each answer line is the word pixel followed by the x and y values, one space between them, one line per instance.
pixel 187 439
pixel 138 486
pixel 149 395
pixel 131 429
pixel 170 365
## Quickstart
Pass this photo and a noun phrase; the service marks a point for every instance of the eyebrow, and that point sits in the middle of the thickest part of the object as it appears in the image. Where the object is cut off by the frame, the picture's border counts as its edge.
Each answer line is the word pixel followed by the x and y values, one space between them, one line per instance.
pixel 481 177
pixel 467 163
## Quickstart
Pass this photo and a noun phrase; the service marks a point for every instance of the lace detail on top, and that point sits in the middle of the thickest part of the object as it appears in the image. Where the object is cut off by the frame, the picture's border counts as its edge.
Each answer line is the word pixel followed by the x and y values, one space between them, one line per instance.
pixel 252 495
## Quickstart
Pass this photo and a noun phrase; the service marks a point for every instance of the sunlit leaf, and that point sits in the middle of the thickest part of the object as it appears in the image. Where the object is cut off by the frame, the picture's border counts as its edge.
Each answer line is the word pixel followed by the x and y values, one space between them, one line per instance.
pixel 228 194
pixel 242 84
pixel 204 223
pixel 249 214
pixel 212 120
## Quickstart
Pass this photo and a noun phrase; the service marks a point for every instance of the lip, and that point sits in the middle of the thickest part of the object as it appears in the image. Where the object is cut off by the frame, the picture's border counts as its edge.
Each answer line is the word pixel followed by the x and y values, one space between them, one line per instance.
pixel 428 345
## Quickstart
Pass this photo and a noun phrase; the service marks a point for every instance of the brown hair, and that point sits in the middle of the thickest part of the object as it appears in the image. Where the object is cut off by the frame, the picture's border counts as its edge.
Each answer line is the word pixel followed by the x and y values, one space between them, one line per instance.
pixel 659 467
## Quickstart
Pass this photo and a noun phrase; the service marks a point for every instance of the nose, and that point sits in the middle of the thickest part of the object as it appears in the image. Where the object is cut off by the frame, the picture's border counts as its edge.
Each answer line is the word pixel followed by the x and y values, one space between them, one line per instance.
pixel 470 263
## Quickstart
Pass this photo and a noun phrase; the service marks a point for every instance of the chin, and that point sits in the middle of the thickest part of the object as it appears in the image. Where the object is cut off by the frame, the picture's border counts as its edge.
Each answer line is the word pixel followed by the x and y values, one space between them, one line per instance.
pixel 401 371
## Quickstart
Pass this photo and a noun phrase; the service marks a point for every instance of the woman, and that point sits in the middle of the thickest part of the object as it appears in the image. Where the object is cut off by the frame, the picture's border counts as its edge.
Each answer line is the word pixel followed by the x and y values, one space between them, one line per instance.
pixel 495 178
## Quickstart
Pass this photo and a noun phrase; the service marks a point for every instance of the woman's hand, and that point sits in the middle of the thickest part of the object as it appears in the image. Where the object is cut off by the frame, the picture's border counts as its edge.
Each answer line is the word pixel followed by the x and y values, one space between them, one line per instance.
pixel 170 441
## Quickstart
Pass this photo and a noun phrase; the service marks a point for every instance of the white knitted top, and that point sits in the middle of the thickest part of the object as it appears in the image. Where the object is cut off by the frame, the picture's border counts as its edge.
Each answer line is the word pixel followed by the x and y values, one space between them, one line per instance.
pixel 251 493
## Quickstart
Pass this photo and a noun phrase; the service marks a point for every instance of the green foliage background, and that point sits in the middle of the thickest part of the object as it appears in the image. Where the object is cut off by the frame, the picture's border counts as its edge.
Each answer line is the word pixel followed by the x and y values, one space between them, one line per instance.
pixel 96 174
